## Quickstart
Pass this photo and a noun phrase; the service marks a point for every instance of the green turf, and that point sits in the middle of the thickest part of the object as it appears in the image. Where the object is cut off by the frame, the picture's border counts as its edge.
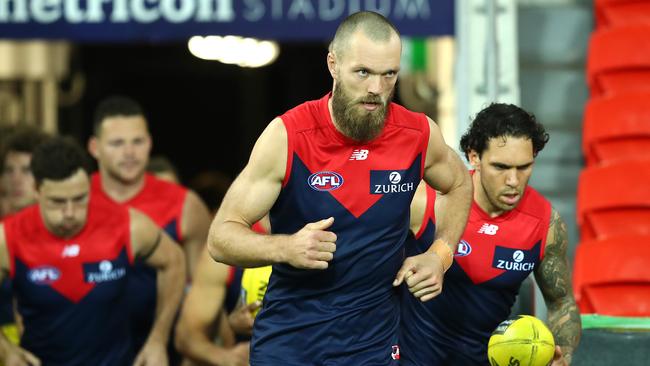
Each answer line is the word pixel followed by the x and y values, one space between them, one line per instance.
pixel 595 321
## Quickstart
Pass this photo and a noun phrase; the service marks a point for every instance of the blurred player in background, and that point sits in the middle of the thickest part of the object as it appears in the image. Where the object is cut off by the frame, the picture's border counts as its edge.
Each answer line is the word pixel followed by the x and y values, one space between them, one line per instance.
pixel 15 157
pixel 512 231
pixel 69 258
pixel 222 303
pixel 162 168
pixel 121 144
pixel 18 191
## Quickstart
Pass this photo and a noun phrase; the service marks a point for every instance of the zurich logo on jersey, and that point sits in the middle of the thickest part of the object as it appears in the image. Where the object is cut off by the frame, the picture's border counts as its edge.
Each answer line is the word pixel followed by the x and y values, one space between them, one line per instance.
pixel 463 249
pixel 511 259
pixel 325 181
pixel 391 181
pixel 44 275
pixel 103 271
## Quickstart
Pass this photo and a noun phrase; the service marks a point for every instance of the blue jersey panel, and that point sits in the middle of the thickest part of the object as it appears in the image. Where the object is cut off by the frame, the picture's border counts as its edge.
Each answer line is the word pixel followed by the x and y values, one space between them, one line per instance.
pixel 142 290
pixel 6 306
pixel 93 331
pixel 347 314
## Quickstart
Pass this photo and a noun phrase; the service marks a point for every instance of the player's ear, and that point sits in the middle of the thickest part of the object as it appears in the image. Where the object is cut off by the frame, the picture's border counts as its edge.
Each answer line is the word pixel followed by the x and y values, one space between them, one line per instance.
pixel 331 64
pixel 474 159
pixel 93 146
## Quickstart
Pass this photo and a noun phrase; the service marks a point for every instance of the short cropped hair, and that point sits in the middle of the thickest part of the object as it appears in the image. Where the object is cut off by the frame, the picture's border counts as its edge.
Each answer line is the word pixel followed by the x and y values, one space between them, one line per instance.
pixel 501 120
pixel 373 25
pixel 113 106
pixel 58 159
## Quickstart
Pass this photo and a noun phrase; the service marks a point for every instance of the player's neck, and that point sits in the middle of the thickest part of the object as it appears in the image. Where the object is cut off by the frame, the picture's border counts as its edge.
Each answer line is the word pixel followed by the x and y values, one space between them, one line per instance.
pixel 118 190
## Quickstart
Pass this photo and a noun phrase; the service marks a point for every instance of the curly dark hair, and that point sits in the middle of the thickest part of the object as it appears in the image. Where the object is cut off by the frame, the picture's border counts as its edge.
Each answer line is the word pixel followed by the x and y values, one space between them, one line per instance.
pixel 57 159
pixel 499 120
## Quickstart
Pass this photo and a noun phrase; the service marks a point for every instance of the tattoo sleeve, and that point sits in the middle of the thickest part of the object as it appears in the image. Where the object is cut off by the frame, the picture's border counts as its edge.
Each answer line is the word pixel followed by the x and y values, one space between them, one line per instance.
pixel 554 280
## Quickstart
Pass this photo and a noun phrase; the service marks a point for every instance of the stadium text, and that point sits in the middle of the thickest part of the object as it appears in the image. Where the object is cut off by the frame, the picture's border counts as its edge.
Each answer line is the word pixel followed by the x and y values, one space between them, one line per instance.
pixel 220 11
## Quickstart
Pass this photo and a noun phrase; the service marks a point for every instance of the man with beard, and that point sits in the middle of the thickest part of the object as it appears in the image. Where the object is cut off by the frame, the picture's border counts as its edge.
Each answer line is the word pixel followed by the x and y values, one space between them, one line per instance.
pixel 337 176
pixel 121 144
pixel 512 231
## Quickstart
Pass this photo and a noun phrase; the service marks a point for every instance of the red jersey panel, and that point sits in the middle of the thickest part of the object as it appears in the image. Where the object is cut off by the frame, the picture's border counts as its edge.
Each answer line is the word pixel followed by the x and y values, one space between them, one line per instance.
pixel 505 249
pixel 162 201
pixel 69 291
pixel 347 314
pixel 493 258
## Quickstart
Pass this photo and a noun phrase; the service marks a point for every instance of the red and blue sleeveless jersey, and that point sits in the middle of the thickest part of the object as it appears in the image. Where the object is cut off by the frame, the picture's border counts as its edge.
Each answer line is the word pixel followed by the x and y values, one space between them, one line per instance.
pixel 493 258
pixel 347 314
pixel 69 291
pixel 163 202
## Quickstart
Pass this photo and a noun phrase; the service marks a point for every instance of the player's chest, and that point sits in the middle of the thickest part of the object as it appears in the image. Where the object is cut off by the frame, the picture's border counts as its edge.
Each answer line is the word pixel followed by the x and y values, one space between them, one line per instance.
pixel 507 250
pixel 63 272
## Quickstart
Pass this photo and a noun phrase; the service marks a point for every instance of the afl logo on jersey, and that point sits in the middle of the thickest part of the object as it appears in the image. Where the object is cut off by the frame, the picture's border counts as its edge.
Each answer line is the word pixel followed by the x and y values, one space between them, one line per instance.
pixel 463 249
pixel 44 275
pixel 325 181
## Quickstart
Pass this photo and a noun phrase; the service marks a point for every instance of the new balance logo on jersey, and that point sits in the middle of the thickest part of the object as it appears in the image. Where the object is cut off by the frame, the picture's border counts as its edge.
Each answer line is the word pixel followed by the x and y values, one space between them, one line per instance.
pixel 70 251
pixel 488 229
pixel 359 154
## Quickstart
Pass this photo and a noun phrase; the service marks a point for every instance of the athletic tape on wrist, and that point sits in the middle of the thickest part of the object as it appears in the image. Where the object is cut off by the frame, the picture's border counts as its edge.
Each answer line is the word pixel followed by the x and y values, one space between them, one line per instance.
pixel 442 250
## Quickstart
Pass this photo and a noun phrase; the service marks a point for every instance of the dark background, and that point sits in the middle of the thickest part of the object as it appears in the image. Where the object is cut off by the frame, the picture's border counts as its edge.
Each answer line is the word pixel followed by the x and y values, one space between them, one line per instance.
pixel 203 115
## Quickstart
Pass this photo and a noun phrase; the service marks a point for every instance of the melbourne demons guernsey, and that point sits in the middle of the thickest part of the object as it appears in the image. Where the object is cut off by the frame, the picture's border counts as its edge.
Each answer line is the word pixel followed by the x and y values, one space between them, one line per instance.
pixel 163 202
pixel 69 291
pixel 493 258
pixel 348 313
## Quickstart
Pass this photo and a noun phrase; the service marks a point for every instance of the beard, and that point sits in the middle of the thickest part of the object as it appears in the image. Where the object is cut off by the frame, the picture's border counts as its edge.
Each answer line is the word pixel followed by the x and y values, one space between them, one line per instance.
pixel 354 121
pixel 124 179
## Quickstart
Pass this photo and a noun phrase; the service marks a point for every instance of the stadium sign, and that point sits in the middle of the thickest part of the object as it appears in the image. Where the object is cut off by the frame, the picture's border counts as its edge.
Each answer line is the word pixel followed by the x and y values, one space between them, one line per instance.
pixel 125 20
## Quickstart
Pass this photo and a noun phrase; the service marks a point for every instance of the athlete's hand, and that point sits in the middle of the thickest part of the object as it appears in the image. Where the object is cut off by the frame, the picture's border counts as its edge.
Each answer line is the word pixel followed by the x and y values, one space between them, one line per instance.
pixel 423 275
pixel 312 247
pixel 236 356
pixel 558 358
pixel 16 356
pixel 153 353
pixel 241 318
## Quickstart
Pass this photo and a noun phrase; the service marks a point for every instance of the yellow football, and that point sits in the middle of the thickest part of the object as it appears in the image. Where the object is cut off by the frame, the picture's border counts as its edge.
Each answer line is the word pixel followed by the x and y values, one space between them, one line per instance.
pixel 521 341
pixel 253 284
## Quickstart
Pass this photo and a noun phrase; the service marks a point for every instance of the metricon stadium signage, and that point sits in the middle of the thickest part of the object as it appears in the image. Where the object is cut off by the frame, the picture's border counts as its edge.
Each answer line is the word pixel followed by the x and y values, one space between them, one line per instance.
pixel 111 20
